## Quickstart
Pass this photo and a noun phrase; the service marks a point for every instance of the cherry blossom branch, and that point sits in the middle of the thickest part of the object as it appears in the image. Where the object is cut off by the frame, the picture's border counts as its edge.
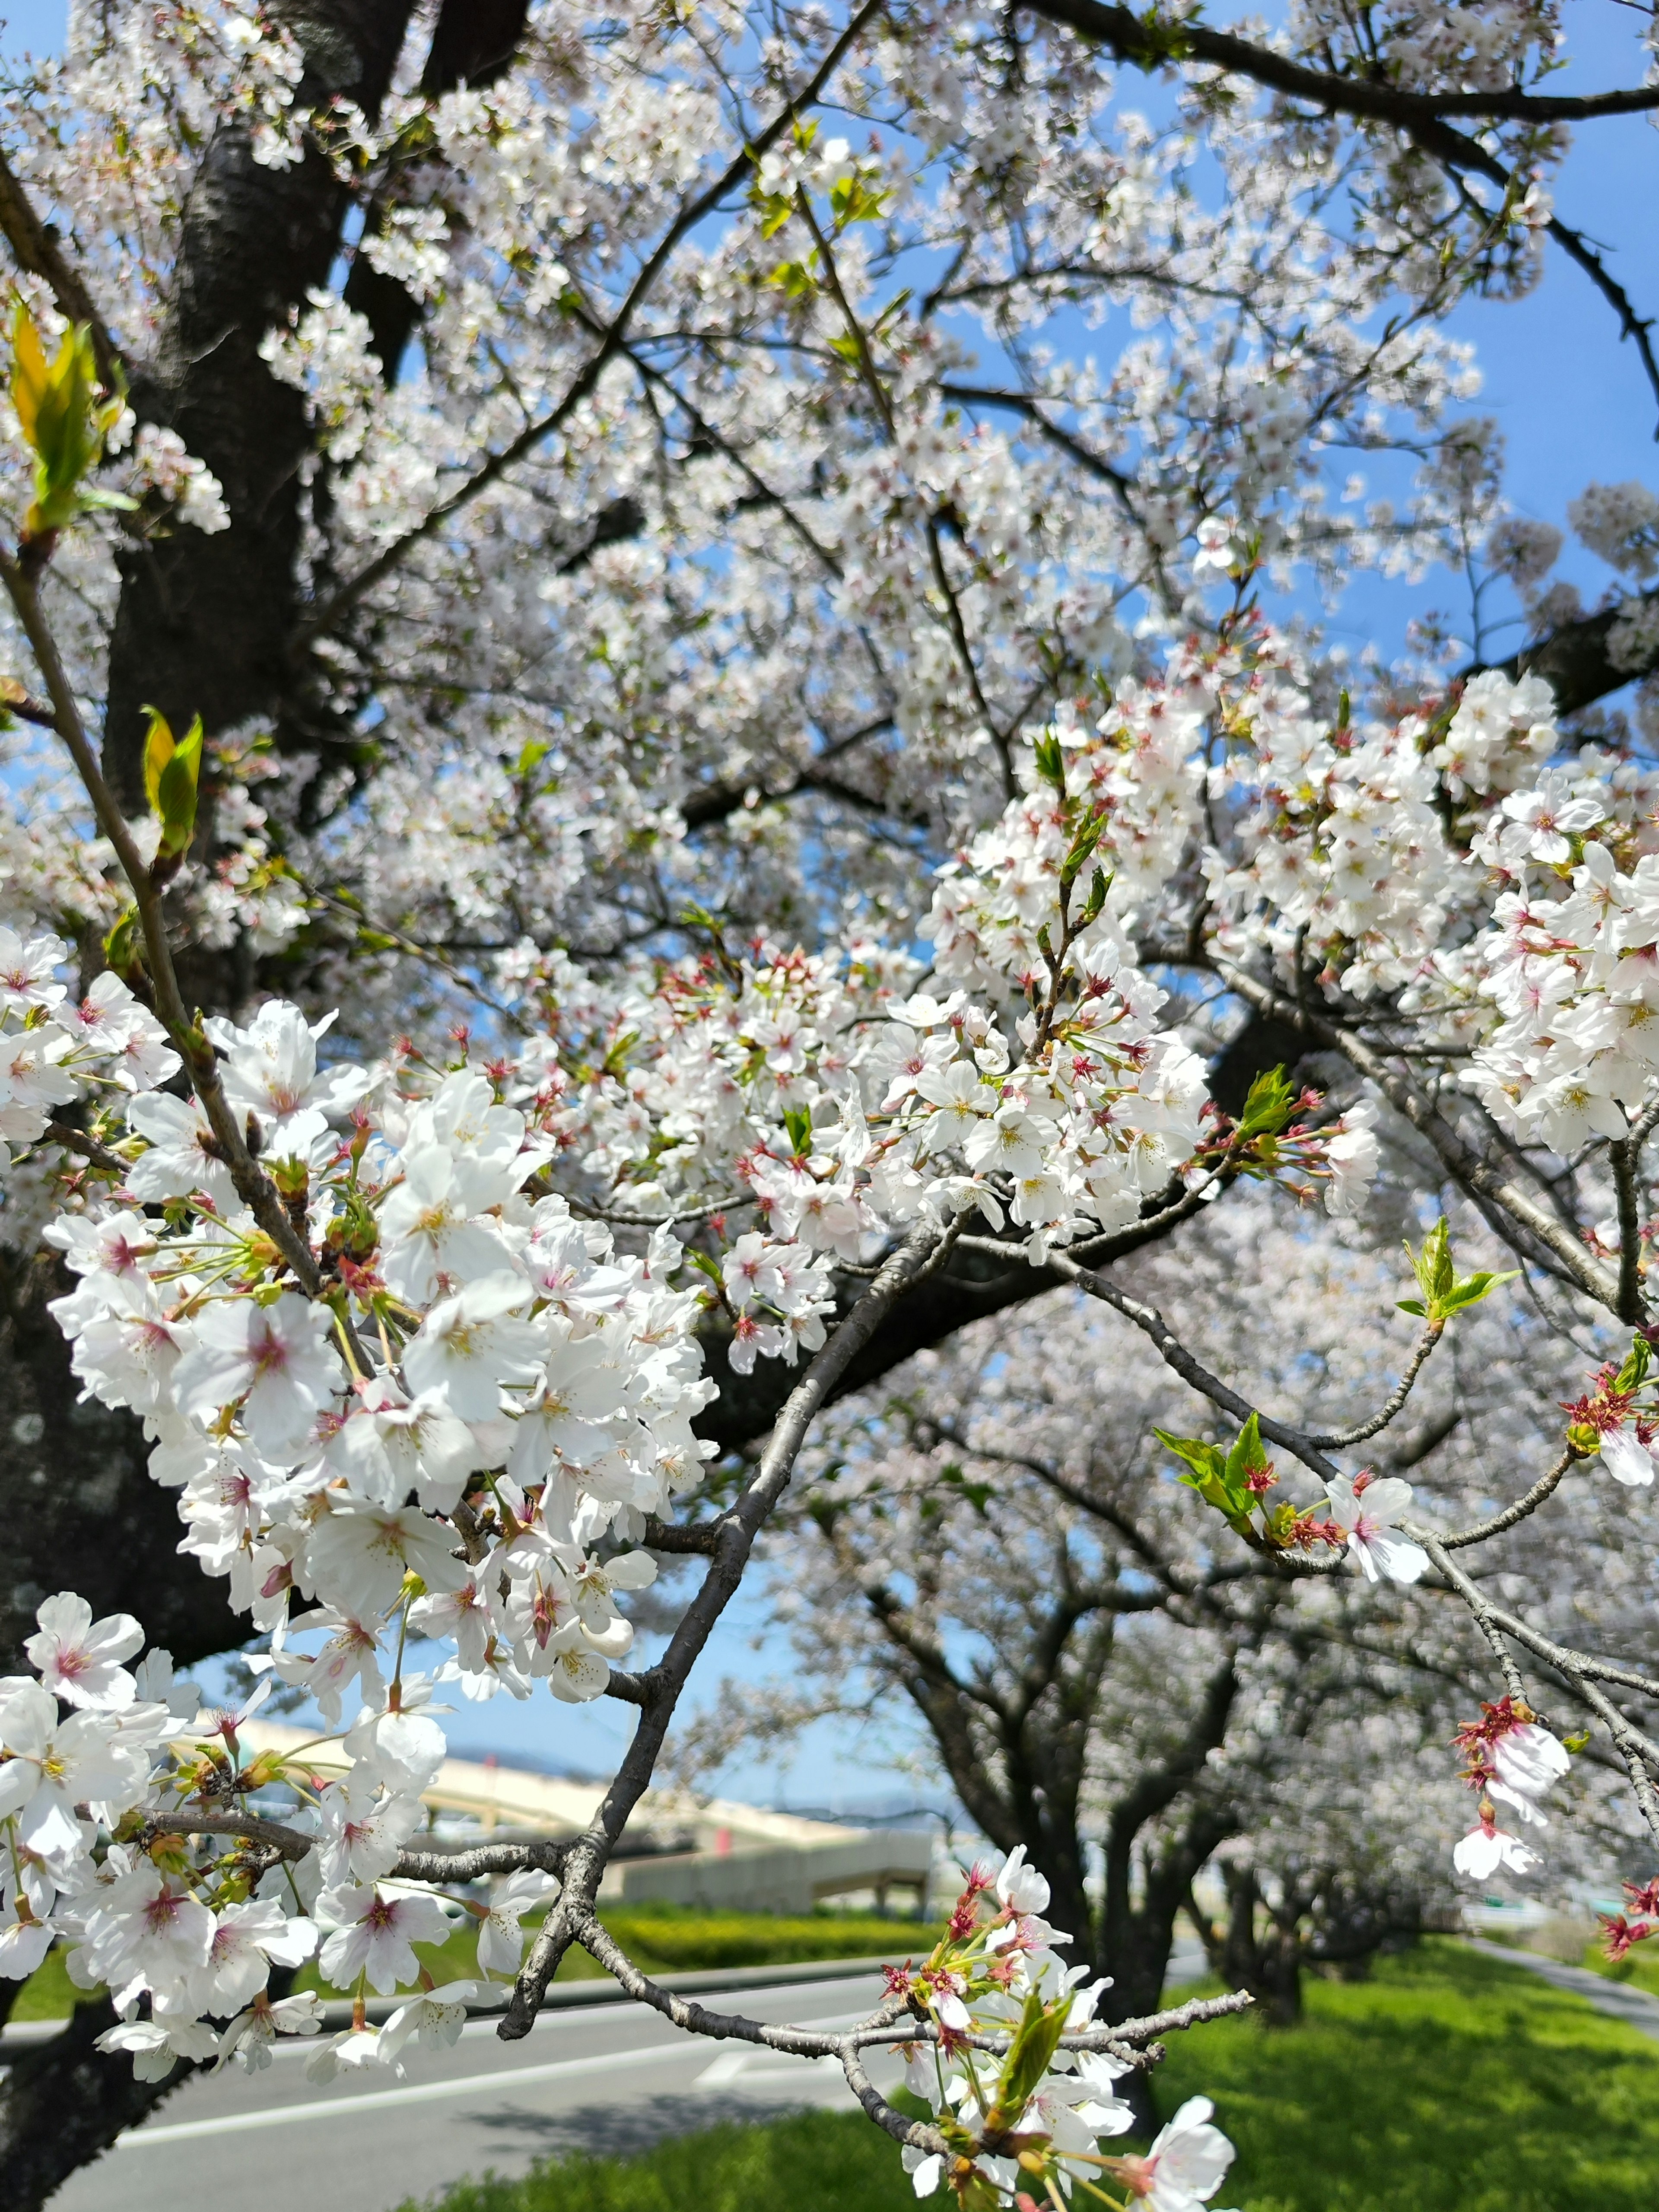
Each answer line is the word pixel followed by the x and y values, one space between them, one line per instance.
pixel 351 593
pixel 1462 1162
pixel 1156 41
pixel 1477 1602
pixel 34 244
pixel 76 1140
pixel 1431 1334
pixel 253 1187
pixel 883 407
pixel 892 2022
pixel 1175 1354
pixel 539 1853
pixel 1593 1669
pixel 922 1251
pixel 287 1842
pixel 1524 1506
pixel 1623 1156
pixel 1638 1751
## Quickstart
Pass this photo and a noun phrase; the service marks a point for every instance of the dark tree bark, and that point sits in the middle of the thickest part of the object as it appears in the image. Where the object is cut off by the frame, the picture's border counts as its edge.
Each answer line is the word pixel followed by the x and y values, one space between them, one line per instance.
pixel 205 625
pixel 1574 662
pixel 63 2102
pixel 1136 1938
pixel 79 1508
pixel 474 42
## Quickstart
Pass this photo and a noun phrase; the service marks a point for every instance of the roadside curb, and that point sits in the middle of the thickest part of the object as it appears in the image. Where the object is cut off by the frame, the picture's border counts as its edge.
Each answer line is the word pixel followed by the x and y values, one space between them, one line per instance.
pixel 562 1996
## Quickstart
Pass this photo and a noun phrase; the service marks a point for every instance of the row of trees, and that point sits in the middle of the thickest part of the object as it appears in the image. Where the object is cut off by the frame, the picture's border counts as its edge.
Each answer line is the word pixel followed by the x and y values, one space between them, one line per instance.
pixel 996 1545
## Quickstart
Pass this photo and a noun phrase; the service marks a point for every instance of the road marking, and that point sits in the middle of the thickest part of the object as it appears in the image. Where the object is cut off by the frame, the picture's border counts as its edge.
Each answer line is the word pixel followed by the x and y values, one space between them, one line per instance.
pixel 772 2066
pixel 378 2099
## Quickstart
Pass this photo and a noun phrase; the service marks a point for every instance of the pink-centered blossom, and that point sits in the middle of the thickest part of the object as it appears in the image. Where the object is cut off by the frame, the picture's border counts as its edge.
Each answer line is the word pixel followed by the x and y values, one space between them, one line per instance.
pixel 276 1360
pixel 78 1659
pixel 373 1935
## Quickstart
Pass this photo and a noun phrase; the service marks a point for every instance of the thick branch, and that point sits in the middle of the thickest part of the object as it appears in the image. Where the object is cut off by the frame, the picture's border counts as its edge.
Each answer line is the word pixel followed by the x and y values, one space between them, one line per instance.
pixel 1155 43
pixel 37 250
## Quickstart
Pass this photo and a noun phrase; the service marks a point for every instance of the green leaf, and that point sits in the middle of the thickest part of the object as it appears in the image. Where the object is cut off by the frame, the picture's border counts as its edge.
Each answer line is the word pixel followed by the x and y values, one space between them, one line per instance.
pixel 172 767
pixel 1204 1459
pixel 795 280
pixel 1212 1476
pixel 1637 1363
pixel 1030 2056
pixel 1050 763
pixel 1083 845
pixel 124 947
pixel 1443 1292
pixel 851 200
pixel 1269 1106
pixel 1247 1457
pixel 798 1122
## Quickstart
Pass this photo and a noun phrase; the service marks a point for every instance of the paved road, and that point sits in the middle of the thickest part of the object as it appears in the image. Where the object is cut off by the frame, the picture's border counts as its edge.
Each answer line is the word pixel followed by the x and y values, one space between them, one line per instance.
pixel 1634 2007
pixel 606 2077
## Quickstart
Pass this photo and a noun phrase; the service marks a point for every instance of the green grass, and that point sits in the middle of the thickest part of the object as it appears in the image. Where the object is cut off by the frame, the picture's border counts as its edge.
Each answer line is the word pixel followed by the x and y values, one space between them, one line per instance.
pixel 661 1939
pixel 1447 2083
pixel 49 1994
pixel 832 2161
pixel 1640 1967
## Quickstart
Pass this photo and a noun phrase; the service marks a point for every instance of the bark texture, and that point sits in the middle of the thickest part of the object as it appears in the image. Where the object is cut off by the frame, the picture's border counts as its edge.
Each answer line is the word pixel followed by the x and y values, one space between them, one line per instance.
pixel 205 625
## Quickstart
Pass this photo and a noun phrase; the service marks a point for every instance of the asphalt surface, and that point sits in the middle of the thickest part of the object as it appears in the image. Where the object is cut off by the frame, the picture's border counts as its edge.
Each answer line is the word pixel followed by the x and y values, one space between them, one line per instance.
pixel 606 2077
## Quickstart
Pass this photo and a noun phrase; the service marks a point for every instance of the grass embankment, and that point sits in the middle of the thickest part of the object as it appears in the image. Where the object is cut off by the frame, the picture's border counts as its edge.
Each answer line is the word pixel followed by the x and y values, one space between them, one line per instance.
pixel 1448 2083
pixel 662 1940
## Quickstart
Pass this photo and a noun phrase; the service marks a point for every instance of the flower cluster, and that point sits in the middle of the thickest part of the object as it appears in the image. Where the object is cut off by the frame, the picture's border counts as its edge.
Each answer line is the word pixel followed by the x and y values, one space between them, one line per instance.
pixel 1024 2124
pixel 113 1814
pixel 54 1049
pixel 1512 1760
pixel 484 1392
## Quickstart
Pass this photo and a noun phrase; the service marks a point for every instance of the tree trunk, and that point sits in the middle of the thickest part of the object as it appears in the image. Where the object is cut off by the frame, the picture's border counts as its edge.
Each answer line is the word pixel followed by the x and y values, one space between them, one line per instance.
pixel 78 1503
pixel 205 625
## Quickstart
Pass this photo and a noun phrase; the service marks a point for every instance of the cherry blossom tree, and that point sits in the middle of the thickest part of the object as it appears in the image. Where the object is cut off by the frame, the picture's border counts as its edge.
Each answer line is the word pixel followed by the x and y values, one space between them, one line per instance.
pixel 1003 1542
pixel 547 558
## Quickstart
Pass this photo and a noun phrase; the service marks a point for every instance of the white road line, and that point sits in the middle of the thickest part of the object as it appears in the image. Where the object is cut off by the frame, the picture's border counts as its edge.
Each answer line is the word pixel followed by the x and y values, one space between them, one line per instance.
pixel 754 2064
pixel 375 2100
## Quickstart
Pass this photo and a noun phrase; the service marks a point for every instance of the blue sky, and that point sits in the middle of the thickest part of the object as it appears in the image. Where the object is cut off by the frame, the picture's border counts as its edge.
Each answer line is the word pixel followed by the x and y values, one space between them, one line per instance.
pixel 1575 407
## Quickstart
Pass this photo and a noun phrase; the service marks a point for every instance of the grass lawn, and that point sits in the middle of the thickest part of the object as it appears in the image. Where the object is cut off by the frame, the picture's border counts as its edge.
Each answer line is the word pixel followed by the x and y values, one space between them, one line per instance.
pixel 1448 2083
pixel 1640 1967
pixel 661 1940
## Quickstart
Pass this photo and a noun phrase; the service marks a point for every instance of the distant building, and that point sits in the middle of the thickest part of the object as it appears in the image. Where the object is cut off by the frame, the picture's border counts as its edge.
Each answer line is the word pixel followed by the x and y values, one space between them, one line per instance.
pixel 677 1850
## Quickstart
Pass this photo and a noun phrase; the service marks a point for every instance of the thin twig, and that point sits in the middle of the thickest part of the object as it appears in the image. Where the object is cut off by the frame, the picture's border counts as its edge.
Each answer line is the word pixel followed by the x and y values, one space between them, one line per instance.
pixel 1431 1335
pixel 922 1251
pixel 1544 1487
pixel 327 616
pixel 253 1186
